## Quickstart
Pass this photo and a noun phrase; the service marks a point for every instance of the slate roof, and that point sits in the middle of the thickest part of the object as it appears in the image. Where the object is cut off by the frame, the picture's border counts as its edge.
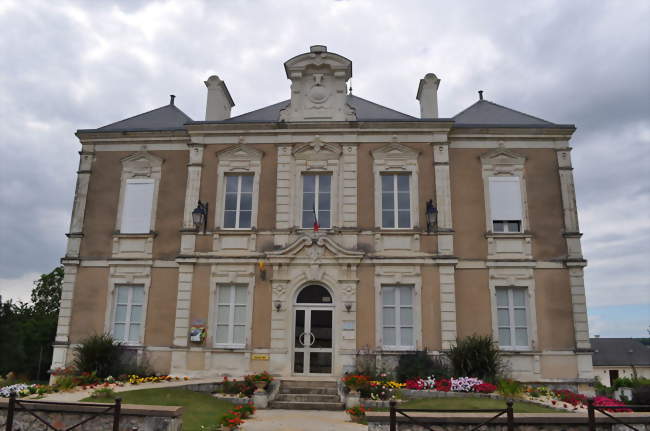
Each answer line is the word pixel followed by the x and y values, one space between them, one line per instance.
pixel 619 351
pixel 167 117
pixel 488 113
pixel 365 109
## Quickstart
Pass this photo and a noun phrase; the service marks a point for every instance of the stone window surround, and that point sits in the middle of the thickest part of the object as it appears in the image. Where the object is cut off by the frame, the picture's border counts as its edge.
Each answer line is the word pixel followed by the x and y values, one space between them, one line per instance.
pixel 514 277
pixel 127 275
pixel 395 275
pixel 237 160
pixel 396 158
pixel 225 275
pixel 140 165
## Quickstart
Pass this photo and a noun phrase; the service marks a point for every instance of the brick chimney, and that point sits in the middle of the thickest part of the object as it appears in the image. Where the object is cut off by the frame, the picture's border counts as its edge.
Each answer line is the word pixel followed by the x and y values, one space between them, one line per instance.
pixel 219 101
pixel 428 96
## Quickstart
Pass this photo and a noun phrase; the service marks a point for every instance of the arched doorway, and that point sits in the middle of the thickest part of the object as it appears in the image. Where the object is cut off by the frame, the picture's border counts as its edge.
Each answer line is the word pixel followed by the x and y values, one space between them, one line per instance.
pixel 312 340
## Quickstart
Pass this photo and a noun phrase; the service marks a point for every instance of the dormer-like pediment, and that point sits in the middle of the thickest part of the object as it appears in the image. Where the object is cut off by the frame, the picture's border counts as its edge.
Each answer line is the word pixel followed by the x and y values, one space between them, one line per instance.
pixel 317 150
pixel 315 249
pixel 395 155
pixel 502 156
pixel 142 164
pixel 318 87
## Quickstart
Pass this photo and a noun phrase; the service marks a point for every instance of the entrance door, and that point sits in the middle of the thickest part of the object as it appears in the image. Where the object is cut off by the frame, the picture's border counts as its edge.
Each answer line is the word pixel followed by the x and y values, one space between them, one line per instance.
pixel 312 348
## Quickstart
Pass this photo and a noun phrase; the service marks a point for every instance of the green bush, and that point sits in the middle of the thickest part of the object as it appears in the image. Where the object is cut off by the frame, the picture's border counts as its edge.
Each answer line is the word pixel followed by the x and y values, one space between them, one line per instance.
pixel 641 395
pixel 630 382
pixel 98 353
pixel 420 365
pixel 476 356
pixel 509 388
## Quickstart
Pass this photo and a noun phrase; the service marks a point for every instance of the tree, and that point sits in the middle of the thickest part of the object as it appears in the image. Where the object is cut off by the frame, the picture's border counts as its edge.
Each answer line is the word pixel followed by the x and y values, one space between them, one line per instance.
pixel 46 294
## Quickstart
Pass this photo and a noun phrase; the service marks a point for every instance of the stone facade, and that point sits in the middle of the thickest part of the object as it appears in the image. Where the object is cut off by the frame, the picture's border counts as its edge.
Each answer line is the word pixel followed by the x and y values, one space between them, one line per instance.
pixel 376 257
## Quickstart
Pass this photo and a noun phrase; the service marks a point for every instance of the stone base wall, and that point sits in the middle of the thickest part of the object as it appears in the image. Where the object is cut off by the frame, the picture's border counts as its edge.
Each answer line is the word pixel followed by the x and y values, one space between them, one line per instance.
pixel 61 416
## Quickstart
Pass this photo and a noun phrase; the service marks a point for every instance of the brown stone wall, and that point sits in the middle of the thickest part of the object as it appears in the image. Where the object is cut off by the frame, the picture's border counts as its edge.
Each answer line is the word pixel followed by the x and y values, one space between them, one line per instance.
pixel 431 308
pixel 89 303
pixel 209 180
pixel 473 312
pixel 161 307
pixel 262 309
pixel 559 367
pixel 366 307
pixel 554 310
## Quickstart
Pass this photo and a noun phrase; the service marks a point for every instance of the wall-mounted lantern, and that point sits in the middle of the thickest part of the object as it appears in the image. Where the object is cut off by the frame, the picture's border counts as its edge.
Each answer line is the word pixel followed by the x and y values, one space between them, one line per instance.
pixel 278 305
pixel 348 306
pixel 200 215
pixel 432 216
pixel 262 267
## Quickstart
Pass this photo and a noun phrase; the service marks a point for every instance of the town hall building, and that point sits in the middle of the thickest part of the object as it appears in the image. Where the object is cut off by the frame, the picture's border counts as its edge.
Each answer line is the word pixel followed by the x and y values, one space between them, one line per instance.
pixel 295 236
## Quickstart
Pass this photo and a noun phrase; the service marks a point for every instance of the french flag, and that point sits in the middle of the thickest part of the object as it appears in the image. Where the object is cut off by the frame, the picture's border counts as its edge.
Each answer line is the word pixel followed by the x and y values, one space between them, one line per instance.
pixel 316 226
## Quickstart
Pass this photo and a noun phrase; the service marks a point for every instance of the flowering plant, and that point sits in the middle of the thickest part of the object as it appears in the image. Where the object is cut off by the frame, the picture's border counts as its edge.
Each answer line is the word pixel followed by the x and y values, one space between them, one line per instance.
pixel 485 388
pixel 421 384
pixel 264 376
pixel 20 389
pixel 231 419
pixel 384 389
pixel 464 384
pixel 443 385
pixel 604 401
pixel 245 410
pixel 355 381
pixel 572 398
pixel 357 411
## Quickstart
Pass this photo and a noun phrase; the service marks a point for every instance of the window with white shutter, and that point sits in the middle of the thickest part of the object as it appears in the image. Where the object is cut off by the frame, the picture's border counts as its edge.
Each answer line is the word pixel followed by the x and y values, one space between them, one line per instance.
pixel 231 316
pixel 505 204
pixel 137 206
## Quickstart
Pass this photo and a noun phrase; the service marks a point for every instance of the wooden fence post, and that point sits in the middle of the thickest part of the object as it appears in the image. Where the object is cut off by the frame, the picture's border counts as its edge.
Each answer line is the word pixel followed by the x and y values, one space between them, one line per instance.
pixel 591 414
pixel 116 414
pixel 10 411
pixel 393 416
pixel 510 416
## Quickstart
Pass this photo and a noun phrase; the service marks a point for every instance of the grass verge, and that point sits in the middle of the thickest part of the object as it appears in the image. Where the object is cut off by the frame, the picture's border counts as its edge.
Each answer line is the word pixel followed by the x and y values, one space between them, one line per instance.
pixel 200 409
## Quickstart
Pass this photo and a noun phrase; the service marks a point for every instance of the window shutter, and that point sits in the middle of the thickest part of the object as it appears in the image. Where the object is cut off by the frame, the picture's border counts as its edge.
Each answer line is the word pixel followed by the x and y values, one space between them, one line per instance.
pixel 136 208
pixel 505 198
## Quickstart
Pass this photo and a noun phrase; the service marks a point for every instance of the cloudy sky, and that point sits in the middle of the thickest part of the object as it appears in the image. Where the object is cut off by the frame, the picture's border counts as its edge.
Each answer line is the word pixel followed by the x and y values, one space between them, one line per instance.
pixel 69 65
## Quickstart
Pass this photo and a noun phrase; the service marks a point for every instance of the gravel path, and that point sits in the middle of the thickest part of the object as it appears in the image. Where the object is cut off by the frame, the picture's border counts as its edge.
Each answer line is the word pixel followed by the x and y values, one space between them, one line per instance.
pixel 301 420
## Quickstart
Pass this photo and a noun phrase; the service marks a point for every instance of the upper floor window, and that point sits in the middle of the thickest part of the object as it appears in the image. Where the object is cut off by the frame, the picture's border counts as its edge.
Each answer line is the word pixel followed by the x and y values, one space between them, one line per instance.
pixel 238 207
pixel 128 314
pixel 512 317
pixel 395 201
pixel 137 206
pixel 397 317
pixel 316 200
pixel 231 315
pixel 505 203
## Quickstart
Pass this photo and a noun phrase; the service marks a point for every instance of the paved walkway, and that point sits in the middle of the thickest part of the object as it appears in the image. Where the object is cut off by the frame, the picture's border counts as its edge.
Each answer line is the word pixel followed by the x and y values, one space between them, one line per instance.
pixel 301 420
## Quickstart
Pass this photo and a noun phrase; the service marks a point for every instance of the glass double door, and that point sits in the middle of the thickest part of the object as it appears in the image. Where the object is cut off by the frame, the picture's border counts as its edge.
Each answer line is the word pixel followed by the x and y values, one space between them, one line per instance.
pixel 312 345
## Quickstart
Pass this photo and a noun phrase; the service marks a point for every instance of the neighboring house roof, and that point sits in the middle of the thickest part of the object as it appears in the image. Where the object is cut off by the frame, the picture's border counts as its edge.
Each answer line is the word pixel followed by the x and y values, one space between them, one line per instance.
pixel 365 110
pixel 167 117
pixel 619 351
pixel 487 113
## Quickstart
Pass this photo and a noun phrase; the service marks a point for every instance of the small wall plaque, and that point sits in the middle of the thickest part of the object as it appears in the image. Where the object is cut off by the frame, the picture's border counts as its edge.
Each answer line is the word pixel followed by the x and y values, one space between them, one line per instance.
pixel 260 357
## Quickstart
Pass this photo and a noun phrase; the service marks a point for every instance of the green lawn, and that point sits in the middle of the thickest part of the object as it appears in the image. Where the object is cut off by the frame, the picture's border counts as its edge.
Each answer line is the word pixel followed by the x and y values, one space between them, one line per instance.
pixel 467 403
pixel 200 408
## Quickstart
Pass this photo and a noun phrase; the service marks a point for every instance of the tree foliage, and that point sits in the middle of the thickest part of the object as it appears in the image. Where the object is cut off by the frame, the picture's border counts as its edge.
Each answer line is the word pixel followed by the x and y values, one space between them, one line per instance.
pixel 28 329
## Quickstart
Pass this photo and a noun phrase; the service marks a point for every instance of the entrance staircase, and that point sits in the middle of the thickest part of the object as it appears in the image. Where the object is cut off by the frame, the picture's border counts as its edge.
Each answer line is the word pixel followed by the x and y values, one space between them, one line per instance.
pixel 307 395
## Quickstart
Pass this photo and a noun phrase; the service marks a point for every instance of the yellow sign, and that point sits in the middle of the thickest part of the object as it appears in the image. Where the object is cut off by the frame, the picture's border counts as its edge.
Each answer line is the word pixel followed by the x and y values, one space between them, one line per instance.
pixel 261 357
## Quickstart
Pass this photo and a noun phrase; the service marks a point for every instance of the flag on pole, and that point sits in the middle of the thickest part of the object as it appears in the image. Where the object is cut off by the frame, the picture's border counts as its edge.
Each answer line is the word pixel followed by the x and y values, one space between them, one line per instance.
pixel 316 226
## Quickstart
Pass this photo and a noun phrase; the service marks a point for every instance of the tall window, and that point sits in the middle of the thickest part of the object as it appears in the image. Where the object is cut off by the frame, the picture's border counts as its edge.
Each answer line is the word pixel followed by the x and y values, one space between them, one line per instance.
pixel 232 302
pixel 397 317
pixel 316 199
pixel 239 202
pixel 512 317
pixel 137 205
pixel 395 201
pixel 128 314
pixel 505 204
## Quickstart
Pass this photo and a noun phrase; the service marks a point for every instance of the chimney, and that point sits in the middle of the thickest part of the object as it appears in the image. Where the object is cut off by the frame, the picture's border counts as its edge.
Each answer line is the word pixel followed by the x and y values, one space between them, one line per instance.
pixel 428 96
pixel 219 101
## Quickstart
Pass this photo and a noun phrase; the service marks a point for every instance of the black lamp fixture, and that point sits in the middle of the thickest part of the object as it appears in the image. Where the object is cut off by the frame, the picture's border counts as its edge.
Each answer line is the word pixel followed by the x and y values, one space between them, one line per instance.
pixel 200 215
pixel 432 216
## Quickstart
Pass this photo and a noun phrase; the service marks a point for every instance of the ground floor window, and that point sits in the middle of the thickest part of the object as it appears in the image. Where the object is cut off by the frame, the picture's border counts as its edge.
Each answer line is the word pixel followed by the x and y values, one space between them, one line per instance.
pixel 128 314
pixel 231 316
pixel 397 317
pixel 512 317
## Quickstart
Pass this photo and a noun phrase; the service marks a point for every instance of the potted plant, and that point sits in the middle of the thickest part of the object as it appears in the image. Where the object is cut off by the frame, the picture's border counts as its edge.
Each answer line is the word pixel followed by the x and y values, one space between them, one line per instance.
pixel 354 382
pixel 261 380
pixel 357 414
pixel 231 421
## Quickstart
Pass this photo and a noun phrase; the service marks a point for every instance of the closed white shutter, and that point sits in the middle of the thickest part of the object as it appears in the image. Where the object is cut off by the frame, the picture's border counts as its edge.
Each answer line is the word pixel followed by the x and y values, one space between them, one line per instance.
pixel 505 198
pixel 136 208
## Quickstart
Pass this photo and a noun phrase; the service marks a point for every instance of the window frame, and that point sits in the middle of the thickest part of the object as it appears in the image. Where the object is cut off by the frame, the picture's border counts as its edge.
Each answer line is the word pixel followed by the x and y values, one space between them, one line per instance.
pixel 230 344
pixel 125 206
pixel 126 340
pixel 512 326
pixel 395 194
pixel 317 176
pixel 397 306
pixel 239 193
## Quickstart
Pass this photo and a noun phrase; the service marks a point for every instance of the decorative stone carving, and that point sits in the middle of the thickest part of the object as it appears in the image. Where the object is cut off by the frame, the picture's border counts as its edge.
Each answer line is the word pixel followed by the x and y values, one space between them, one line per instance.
pixel 318 87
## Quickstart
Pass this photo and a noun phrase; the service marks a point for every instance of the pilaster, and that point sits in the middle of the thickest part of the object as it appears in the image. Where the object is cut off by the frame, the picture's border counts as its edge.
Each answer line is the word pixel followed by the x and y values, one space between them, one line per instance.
pixel 86 159
pixel 183 301
pixel 447 306
pixel 349 185
pixel 282 207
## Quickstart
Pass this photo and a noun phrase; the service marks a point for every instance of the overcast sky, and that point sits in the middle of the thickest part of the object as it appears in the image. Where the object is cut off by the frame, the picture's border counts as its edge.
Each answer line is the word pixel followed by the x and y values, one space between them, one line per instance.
pixel 69 65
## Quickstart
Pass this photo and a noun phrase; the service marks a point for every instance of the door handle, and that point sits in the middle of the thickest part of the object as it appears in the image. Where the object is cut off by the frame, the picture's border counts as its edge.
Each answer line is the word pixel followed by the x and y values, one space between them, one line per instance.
pixel 301 338
pixel 311 334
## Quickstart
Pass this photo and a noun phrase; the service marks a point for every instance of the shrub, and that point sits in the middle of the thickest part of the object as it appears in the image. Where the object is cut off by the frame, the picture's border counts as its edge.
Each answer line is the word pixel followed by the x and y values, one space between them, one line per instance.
pixel 476 356
pixel 237 387
pixel 231 419
pixel 641 395
pixel 245 410
pixel 354 382
pixel 509 388
pixel 105 393
pixel 421 365
pixel 98 353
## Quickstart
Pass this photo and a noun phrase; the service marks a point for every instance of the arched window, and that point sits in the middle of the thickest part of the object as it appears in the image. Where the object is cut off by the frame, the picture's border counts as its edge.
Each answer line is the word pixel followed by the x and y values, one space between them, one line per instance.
pixel 314 294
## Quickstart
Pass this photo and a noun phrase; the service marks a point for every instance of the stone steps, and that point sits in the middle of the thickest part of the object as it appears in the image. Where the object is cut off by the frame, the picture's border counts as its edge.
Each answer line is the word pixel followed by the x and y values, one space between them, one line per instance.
pixel 307 395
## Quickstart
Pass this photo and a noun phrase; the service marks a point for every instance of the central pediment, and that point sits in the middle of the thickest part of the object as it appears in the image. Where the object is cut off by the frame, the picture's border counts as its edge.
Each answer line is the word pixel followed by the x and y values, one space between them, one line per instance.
pixel 315 248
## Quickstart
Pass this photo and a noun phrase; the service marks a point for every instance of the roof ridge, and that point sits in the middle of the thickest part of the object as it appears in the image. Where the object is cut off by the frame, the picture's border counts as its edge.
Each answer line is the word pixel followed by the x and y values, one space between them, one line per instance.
pixel 145 113
pixel 517 111
pixel 258 109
